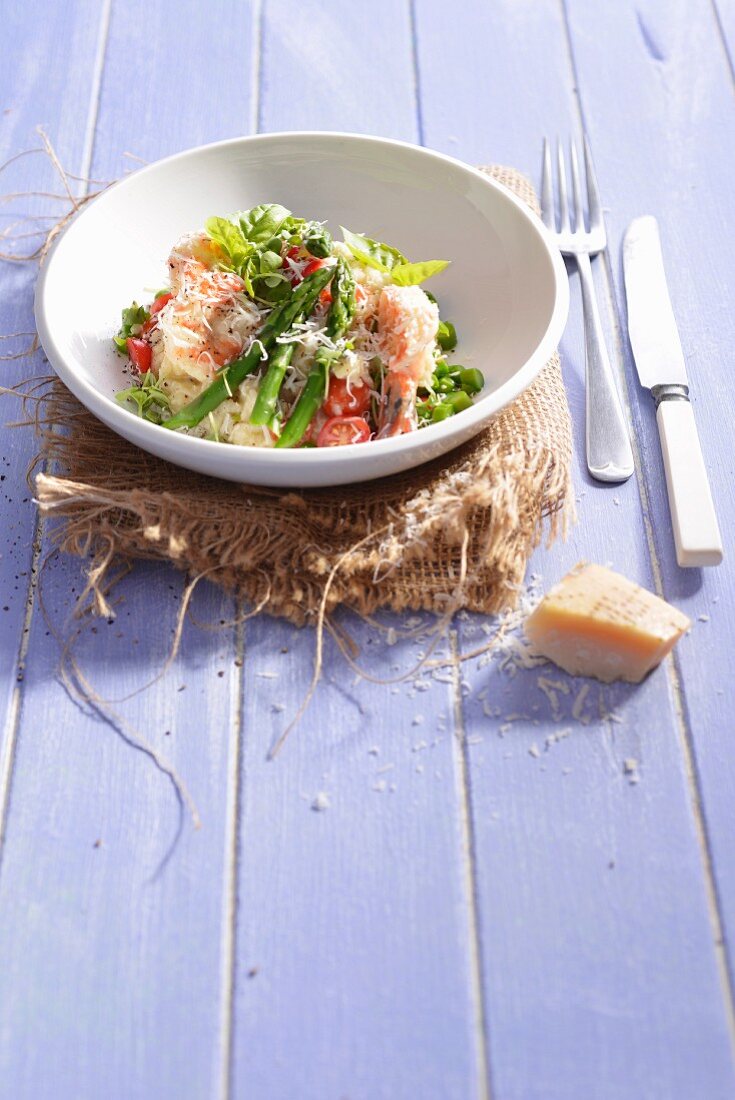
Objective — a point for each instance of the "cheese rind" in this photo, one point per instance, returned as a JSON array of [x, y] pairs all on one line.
[[595, 622]]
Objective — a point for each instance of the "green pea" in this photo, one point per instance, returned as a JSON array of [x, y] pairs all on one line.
[[441, 412], [471, 380], [459, 400]]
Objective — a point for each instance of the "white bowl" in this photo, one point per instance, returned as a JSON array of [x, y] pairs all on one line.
[[506, 289]]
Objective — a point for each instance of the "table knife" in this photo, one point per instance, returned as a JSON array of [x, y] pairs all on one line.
[[661, 369]]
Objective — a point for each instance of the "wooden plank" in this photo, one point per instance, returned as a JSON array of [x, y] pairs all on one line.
[[586, 953], [30, 95], [353, 931], [353, 924], [674, 61], [116, 965], [328, 68]]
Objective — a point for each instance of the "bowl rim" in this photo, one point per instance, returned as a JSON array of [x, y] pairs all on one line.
[[107, 409]]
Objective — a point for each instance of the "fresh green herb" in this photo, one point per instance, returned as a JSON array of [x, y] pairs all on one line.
[[413, 274], [372, 253], [147, 398], [233, 242], [389, 260], [133, 318], [251, 245], [263, 222]]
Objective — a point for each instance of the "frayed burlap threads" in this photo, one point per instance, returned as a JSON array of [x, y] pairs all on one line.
[[456, 532]]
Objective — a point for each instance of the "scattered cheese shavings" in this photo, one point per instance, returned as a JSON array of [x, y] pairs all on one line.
[[579, 704]]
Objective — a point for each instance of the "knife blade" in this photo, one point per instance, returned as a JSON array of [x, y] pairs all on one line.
[[659, 359]]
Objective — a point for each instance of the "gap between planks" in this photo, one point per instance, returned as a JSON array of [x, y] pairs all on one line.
[[413, 24], [12, 724], [723, 39], [256, 70], [233, 848], [678, 693], [464, 784]]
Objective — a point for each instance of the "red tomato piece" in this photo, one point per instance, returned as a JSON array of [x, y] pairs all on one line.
[[314, 265], [140, 354], [341, 430], [311, 267], [160, 302], [341, 401]]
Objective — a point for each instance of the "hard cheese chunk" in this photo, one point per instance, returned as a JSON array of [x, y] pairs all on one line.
[[597, 623]]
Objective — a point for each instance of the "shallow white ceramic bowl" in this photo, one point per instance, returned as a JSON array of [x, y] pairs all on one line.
[[506, 289]]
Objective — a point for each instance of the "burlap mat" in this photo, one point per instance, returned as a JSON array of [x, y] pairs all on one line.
[[456, 532]]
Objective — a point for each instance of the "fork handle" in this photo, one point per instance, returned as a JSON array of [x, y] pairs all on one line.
[[609, 454]]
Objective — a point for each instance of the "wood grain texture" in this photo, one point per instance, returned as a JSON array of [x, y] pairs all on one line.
[[582, 886]]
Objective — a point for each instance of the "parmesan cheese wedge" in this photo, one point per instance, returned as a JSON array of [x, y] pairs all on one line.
[[597, 623]]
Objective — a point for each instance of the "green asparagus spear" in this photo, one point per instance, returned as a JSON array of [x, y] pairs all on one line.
[[270, 384], [301, 301], [341, 312], [317, 240]]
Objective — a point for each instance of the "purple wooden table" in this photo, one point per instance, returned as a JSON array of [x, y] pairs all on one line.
[[485, 908]]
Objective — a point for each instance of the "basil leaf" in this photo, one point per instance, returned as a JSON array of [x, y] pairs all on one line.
[[413, 274], [132, 319], [231, 240], [263, 222], [383, 257]]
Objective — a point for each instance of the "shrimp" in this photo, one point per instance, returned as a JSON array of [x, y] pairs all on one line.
[[407, 326], [208, 320]]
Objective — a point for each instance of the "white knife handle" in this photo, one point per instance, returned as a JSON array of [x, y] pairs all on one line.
[[696, 531]]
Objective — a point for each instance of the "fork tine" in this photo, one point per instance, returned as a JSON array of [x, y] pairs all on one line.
[[563, 198], [547, 199], [593, 192], [576, 189]]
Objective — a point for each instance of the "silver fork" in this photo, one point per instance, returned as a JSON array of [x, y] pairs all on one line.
[[609, 454]]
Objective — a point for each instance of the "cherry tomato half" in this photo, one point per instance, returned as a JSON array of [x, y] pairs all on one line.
[[341, 430], [140, 354], [340, 401], [160, 302]]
